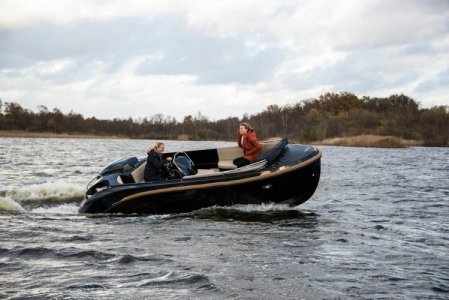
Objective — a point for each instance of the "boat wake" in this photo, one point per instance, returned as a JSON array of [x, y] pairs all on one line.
[[9, 205], [50, 197]]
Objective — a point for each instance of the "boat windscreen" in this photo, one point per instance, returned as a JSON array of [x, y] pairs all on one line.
[[185, 165]]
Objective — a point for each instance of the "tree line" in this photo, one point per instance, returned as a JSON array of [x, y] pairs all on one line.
[[328, 116]]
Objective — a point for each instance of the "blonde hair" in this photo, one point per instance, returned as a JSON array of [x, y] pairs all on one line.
[[157, 145]]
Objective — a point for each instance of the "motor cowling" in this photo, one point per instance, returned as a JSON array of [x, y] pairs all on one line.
[[119, 166]]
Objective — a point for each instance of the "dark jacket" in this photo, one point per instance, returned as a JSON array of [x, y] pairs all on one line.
[[251, 146], [155, 166]]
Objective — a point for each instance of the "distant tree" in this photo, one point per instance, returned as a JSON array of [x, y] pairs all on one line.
[[170, 126], [394, 103], [16, 116], [43, 118], [92, 125], [362, 121], [187, 125], [2, 118], [435, 126], [316, 127], [335, 103], [56, 121], [336, 126], [75, 122], [273, 121]]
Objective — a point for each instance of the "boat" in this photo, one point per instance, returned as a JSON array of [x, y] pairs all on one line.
[[284, 173]]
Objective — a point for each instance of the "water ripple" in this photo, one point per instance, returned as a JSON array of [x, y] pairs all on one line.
[[376, 228]]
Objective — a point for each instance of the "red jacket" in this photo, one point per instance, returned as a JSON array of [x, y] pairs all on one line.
[[251, 146]]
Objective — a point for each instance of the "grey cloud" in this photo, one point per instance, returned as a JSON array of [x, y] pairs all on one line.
[[222, 64], [435, 6], [49, 41], [113, 42], [10, 61], [394, 23], [343, 75], [359, 72], [245, 69], [441, 80], [210, 59]]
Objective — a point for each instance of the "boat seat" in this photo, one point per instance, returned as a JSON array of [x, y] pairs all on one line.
[[137, 174], [226, 156]]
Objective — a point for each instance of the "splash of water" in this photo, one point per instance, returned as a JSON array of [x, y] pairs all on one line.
[[260, 207], [69, 208], [9, 205], [42, 197]]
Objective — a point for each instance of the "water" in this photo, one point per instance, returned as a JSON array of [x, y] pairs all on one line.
[[376, 228]]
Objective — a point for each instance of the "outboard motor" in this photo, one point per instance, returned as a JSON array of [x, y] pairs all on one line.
[[121, 165]]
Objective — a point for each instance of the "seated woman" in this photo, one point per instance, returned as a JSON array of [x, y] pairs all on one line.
[[155, 170], [251, 147]]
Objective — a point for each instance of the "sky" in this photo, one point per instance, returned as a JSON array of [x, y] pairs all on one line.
[[120, 59]]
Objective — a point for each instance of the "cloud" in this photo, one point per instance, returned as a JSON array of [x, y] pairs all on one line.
[[138, 58], [439, 80], [26, 13]]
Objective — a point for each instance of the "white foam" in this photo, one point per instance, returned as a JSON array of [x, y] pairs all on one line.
[[260, 207], [53, 190], [59, 195], [7, 204], [65, 209]]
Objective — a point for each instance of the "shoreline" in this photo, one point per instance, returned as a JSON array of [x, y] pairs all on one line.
[[368, 141]]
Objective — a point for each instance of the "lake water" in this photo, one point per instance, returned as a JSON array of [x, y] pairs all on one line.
[[376, 228]]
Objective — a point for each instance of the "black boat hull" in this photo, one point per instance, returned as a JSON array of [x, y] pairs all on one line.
[[290, 184]]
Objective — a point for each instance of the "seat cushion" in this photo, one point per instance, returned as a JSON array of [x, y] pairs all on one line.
[[138, 174], [226, 155]]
